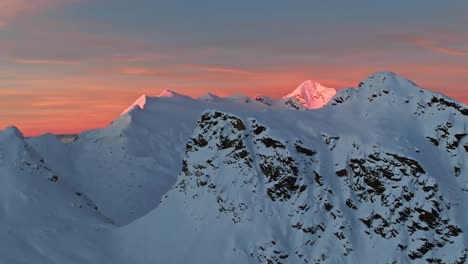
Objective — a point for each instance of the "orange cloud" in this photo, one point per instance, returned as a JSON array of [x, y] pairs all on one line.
[[46, 101], [37, 110]]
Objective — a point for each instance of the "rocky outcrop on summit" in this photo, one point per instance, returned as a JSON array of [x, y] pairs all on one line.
[[389, 88]]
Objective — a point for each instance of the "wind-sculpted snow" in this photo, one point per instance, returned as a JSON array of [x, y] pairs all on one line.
[[378, 175]]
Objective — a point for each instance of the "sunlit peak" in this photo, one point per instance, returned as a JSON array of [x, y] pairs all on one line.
[[312, 94]]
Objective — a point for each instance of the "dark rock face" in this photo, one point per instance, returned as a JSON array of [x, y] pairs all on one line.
[[392, 182], [293, 103], [263, 100], [442, 104]]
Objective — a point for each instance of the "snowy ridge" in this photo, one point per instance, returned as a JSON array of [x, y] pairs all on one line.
[[140, 102], [209, 97], [172, 94], [309, 95]]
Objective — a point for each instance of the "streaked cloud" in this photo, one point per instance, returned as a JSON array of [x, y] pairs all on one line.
[[218, 69], [45, 61], [430, 45], [187, 71], [138, 58]]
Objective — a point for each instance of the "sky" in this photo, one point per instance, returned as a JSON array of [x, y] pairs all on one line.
[[71, 65]]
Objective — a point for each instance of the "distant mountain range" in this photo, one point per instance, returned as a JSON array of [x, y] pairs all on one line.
[[373, 174]]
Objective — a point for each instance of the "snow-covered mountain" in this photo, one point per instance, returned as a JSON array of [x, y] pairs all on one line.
[[312, 94], [348, 183], [378, 175]]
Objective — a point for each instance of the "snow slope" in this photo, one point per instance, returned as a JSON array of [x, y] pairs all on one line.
[[43, 220]]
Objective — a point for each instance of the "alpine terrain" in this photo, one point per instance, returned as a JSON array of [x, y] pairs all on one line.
[[372, 174]]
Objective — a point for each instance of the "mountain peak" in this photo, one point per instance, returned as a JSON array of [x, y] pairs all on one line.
[[383, 74], [11, 131], [312, 94], [143, 99], [209, 97], [140, 102], [386, 79], [391, 90], [171, 94]]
